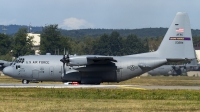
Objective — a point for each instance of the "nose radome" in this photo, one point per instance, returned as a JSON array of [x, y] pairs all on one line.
[[8, 71]]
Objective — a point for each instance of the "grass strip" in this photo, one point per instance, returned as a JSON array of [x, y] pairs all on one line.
[[97, 100], [100, 93]]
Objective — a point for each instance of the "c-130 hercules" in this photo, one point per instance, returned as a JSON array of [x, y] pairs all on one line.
[[177, 45]]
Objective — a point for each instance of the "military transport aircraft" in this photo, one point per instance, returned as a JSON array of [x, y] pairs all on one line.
[[175, 70], [177, 45]]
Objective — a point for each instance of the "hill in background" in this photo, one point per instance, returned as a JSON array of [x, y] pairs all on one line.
[[143, 32]]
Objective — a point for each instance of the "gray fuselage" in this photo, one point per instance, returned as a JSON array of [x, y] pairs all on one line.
[[49, 68]]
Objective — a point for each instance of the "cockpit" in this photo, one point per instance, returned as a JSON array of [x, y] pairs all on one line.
[[18, 60]]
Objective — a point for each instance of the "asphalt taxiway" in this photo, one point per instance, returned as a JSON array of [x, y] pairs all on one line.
[[138, 87]]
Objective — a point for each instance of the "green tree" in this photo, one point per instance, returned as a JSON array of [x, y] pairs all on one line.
[[154, 43], [88, 45], [52, 40], [110, 45], [130, 45], [196, 41], [145, 43], [64, 44], [22, 45], [5, 43], [115, 44], [134, 45], [103, 48]]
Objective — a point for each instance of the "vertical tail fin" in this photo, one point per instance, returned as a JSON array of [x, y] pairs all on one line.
[[177, 43]]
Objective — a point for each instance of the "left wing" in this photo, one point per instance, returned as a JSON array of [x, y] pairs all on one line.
[[88, 60], [4, 63], [96, 59]]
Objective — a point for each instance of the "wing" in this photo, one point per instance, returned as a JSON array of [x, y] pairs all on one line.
[[101, 59], [97, 63], [88, 60], [4, 63]]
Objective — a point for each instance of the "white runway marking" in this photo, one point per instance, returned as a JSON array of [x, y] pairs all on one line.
[[137, 87]]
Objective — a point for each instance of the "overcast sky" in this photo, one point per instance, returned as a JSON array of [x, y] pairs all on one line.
[[108, 14]]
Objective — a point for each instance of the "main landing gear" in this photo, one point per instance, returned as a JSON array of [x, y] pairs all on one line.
[[25, 81]]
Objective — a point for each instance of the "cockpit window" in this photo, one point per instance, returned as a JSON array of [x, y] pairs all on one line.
[[14, 62], [18, 60]]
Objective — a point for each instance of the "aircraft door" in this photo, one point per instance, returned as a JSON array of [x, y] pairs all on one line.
[[22, 72], [51, 70], [35, 74]]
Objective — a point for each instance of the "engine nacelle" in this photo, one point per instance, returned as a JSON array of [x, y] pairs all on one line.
[[79, 61], [72, 75]]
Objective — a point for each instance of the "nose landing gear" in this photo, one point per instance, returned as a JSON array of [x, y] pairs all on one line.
[[25, 81]]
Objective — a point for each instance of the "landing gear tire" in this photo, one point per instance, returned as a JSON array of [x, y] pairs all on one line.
[[25, 81]]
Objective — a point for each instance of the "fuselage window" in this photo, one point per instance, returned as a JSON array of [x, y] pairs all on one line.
[[17, 66]]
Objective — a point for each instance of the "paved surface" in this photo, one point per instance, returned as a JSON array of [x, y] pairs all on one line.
[[2, 85]]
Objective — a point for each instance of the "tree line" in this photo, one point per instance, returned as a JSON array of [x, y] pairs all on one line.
[[112, 44], [52, 40], [78, 33]]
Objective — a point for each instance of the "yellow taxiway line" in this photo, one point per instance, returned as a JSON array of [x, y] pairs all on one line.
[[131, 87]]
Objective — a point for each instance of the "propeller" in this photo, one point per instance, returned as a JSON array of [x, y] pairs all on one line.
[[65, 60], [185, 68], [176, 70], [173, 71], [176, 67], [180, 69]]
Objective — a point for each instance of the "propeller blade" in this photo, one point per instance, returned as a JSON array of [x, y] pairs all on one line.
[[64, 68]]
